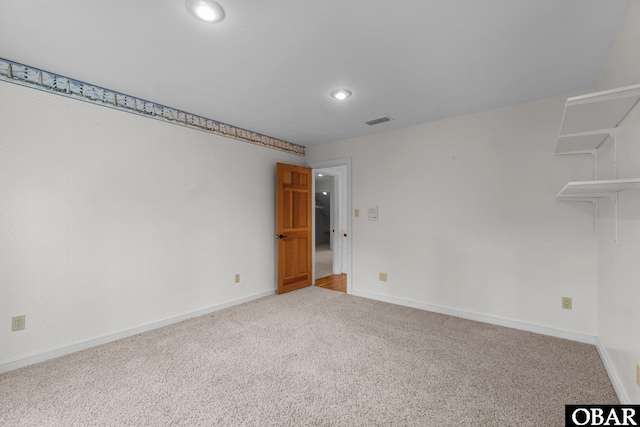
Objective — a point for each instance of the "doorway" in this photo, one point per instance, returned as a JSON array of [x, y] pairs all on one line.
[[325, 227], [332, 224]]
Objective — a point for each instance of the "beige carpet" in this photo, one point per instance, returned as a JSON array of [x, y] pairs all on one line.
[[312, 357]]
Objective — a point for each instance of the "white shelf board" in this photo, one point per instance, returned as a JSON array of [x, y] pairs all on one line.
[[591, 190], [589, 119], [582, 142]]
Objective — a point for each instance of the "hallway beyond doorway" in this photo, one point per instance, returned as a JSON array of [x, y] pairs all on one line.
[[335, 282], [323, 260], [324, 270]]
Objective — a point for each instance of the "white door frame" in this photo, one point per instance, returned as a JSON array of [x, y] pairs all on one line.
[[346, 228]]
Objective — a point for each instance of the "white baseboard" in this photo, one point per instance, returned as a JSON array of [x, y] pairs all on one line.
[[41, 357], [573, 336], [514, 324], [615, 381], [559, 333]]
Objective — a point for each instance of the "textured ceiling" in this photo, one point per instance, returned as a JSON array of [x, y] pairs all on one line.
[[270, 65]]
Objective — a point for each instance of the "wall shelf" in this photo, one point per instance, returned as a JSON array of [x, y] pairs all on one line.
[[589, 120], [589, 191]]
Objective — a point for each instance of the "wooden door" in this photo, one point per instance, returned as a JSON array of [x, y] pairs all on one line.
[[294, 226]]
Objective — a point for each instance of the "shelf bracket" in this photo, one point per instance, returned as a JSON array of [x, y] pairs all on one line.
[[615, 151], [614, 197], [615, 207]]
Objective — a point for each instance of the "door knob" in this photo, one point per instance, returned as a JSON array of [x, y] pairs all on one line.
[[281, 236]]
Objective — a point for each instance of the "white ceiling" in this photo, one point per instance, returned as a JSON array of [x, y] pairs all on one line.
[[270, 65]]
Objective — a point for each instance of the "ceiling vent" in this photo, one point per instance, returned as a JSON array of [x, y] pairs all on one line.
[[378, 121]]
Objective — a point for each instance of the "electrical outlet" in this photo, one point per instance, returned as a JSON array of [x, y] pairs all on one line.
[[567, 303], [638, 374], [17, 323], [237, 278], [383, 277]]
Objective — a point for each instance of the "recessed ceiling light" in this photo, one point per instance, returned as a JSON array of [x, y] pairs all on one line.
[[206, 10], [324, 193], [341, 94]]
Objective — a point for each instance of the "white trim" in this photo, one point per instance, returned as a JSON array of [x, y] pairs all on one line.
[[41, 357], [514, 324], [615, 381]]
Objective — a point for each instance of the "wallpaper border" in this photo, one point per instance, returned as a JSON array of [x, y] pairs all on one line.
[[35, 78]]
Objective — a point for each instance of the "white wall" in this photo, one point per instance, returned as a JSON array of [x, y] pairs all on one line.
[[468, 220], [618, 268], [109, 221]]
